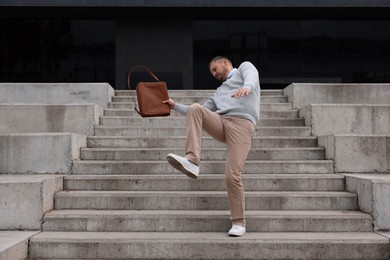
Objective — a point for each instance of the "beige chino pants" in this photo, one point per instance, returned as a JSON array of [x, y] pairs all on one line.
[[237, 133]]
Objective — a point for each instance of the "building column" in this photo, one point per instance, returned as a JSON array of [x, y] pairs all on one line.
[[164, 46]]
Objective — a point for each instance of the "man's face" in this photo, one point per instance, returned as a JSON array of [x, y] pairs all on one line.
[[219, 69]]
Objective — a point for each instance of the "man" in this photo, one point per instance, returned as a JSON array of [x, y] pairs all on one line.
[[230, 116]]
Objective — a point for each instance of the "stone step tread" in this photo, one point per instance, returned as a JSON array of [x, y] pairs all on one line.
[[207, 91], [204, 163], [205, 176], [263, 114], [183, 127], [203, 90], [208, 137], [277, 94], [208, 161], [290, 114], [204, 200], [178, 121], [153, 154], [202, 193], [209, 167], [209, 245], [265, 182], [281, 214], [201, 100], [205, 96], [182, 119], [197, 89], [161, 194], [104, 141], [262, 104], [212, 220], [263, 110], [204, 238], [113, 149], [168, 131], [205, 220]]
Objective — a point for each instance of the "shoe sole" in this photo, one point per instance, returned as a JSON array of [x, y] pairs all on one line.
[[178, 166], [236, 235]]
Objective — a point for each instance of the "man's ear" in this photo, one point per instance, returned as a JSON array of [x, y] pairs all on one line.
[[226, 63]]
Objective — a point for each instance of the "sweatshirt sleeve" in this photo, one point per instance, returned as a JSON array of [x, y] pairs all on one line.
[[249, 74], [210, 104], [182, 109]]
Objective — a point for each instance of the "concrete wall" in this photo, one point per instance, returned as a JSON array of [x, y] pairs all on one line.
[[352, 122], [41, 118], [163, 45], [374, 196], [57, 93], [325, 119], [40, 153], [303, 94], [357, 153], [25, 198]]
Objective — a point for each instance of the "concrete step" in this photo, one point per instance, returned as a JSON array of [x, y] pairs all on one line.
[[190, 245], [263, 106], [207, 182], [264, 113], [155, 154], [201, 92], [180, 121], [201, 99], [180, 131], [207, 142], [204, 200], [204, 221], [13, 243], [206, 167]]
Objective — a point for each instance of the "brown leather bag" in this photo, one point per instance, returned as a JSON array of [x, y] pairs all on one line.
[[150, 96]]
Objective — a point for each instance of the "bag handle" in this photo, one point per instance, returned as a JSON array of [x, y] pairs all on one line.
[[128, 83], [140, 66]]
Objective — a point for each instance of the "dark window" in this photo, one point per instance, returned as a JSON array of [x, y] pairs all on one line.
[[288, 51], [57, 51]]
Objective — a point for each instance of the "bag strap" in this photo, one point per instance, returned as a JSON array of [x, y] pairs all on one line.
[[128, 82], [140, 66]]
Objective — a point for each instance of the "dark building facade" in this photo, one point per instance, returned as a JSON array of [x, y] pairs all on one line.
[[100, 40]]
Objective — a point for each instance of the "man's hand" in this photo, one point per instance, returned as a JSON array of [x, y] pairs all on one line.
[[241, 92], [170, 102]]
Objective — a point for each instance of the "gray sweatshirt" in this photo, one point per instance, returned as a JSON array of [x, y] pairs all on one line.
[[224, 104]]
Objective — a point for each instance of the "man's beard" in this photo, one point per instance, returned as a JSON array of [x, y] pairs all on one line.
[[221, 77]]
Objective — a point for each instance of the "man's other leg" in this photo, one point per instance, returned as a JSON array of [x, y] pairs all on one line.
[[239, 133]]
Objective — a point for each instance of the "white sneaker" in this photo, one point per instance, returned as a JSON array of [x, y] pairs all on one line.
[[184, 165], [237, 230]]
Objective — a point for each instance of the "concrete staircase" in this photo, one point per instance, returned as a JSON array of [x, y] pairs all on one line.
[[124, 201]]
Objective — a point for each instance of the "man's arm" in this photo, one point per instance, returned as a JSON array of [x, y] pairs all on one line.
[[244, 91], [182, 109], [250, 75], [251, 78], [210, 104]]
